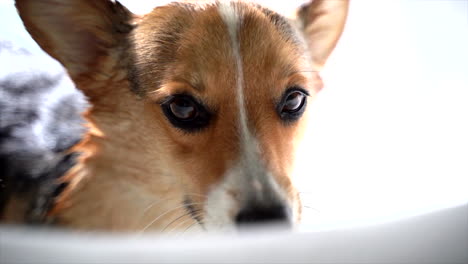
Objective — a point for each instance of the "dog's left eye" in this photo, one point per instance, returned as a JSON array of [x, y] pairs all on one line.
[[186, 113], [293, 104], [183, 109]]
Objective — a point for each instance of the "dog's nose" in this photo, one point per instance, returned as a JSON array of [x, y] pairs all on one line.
[[276, 214]]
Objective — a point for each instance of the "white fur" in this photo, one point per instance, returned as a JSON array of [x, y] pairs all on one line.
[[249, 177]]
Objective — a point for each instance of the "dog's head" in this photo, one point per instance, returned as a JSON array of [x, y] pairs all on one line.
[[196, 105]]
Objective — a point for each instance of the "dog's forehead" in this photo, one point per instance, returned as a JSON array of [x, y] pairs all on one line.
[[192, 42]]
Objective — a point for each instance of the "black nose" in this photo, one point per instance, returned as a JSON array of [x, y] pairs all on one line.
[[263, 214]]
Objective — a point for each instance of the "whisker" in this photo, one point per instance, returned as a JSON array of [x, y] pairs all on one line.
[[197, 194], [157, 202], [190, 226], [310, 207], [167, 199], [180, 217], [307, 71], [182, 223], [185, 221], [166, 212]]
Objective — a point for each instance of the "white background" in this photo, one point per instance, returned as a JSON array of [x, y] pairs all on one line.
[[389, 135]]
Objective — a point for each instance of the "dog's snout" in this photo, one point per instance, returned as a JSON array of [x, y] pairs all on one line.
[[276, 214]]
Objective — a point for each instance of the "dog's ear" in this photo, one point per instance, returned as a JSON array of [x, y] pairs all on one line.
[[322, 24], [84, 35]]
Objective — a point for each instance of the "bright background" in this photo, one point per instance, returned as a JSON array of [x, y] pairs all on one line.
[[389, 133]]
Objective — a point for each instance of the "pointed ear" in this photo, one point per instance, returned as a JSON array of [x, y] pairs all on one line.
[[322, 24], [84, 35]]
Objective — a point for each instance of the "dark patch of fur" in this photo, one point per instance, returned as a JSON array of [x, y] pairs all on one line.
[[192, 210], [31, 160], [282, 24]]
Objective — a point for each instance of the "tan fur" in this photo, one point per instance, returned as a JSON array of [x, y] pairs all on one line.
[[135, 165]]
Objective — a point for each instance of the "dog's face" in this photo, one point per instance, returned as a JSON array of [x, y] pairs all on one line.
[[196, 106]]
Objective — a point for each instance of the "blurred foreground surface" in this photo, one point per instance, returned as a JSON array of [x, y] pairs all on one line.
[[440, 237]]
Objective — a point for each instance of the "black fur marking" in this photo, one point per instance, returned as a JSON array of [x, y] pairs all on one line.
[[193, 211]]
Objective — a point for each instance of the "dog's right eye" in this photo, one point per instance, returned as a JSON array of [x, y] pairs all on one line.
[[186, 113]]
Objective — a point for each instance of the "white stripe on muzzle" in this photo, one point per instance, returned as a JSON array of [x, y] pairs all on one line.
[[249, 176]]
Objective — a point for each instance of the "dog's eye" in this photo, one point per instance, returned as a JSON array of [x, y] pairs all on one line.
[[183, 109], [293, 104], [184, 112]]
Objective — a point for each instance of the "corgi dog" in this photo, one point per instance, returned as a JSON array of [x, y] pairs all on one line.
[[196, 109]]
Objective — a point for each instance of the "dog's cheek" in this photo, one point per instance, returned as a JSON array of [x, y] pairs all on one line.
[[280, 144]]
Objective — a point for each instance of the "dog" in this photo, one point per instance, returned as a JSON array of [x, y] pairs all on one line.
[[196, 109]]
